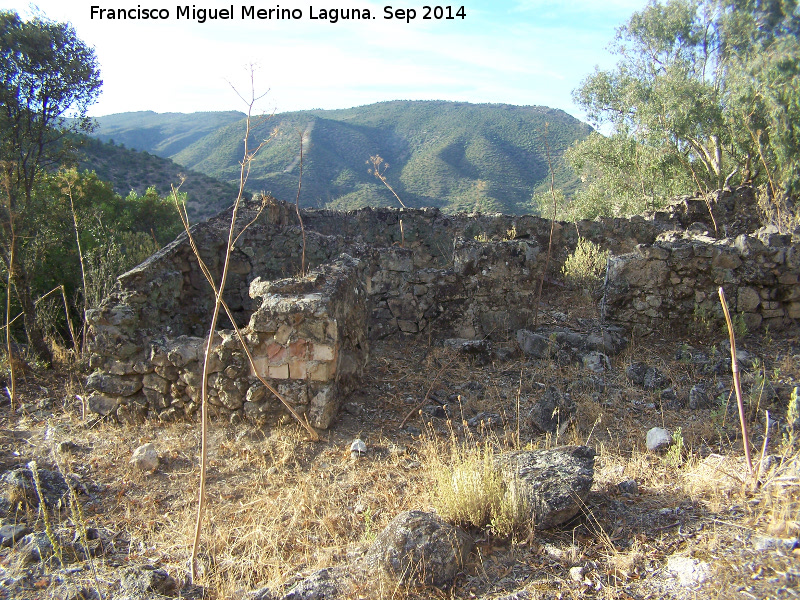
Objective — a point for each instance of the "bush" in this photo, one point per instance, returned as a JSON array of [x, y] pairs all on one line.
[[470, 490], [585, 268]]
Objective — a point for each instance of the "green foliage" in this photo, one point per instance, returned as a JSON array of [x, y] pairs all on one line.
[[739, 325], [116, 233], [456, 156], [674, 455], [705, 92], [162, 134], [585, 268], [703, 318], [542, 204], [129, 170], [49, 79], [622, 177]]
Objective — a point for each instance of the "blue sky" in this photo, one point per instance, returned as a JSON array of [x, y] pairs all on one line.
[[510, 51]]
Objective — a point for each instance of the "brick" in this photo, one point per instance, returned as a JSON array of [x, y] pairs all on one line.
[[262, 366], [298, 349], [319, 371], [279, 372], [297, 369], [276, 354], [322, 352]]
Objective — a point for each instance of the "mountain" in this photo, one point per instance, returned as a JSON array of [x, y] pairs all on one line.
[[128, 169], [453, 155], [164, 134]]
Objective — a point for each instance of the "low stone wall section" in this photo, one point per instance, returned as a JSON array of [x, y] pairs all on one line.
[[674, 282], [307, 338]]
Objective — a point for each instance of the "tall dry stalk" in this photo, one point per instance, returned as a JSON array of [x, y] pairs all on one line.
[[12, 372], [378, 169], [83, 268], [60, 288], [736, 381], [552, 229], [12, 392], [297, 208], [244, 172], [245, 166]]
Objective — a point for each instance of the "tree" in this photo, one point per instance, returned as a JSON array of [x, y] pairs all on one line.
[[704, 90], [49, 79], [91, 236], [767, 85]]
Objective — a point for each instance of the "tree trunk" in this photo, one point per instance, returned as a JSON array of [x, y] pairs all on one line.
[[33, 332]]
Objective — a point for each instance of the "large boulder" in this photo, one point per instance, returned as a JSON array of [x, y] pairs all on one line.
[[554, 484], [18, 486]]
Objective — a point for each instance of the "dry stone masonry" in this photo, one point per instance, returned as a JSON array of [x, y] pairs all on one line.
[[447, 276]]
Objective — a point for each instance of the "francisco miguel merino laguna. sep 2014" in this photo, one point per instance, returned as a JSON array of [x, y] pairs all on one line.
[[201, 15], [332, 15]]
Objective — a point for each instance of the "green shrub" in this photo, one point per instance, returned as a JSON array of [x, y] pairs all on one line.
[[585, 268], [674, 456]]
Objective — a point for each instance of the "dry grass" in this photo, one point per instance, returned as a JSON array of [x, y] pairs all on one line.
[[469, 489], [280, 507]]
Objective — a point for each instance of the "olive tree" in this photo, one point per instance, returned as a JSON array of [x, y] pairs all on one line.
[[705, 93], [49, 79]]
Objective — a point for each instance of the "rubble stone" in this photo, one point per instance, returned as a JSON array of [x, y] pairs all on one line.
[[420, 548], [553, 483]]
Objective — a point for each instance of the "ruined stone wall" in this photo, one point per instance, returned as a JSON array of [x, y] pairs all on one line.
[[674, 282], [466, 276], [431, 234], [490, 288], [306, 337], [170, 292]]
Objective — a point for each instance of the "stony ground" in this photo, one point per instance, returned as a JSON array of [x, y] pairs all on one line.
[[687, 523]]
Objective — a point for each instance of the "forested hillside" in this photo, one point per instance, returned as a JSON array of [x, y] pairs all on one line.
[[456, 156], [163, 134], [127, 169]]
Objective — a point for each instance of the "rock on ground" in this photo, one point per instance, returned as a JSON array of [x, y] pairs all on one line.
[[554, 483], [688, 571], [146, 580], [551, 411], [18, 486], [145, 458], [11, 534], [658, 439], [535, 345], [419, 547], [320, 585]]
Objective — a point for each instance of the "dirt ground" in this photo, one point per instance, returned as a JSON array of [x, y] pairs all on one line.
[[690, 523]]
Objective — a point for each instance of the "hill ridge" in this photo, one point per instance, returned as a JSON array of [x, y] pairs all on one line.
[[452, 155]]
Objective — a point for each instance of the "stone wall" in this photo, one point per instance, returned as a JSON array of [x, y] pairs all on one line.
[[466, 276], [674, 282], [307, 337]]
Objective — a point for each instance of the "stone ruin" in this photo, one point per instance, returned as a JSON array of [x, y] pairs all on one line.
[[445, 276]]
